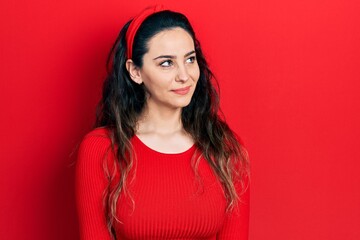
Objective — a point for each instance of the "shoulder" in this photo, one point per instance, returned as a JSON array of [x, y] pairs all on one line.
[[96, 142], [101, 135]]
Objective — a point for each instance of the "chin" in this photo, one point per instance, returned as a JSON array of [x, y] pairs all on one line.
[[181, 103]]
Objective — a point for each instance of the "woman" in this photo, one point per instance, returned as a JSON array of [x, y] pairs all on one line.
[[161, 163]]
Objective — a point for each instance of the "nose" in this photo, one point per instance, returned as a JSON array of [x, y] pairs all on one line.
[[182, 74]]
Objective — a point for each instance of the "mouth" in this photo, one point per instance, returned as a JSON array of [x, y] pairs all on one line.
[[181, 91]]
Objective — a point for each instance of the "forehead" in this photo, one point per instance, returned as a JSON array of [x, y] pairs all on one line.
[[172, 41]]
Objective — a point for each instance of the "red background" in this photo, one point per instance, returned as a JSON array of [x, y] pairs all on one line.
[[289, 76]]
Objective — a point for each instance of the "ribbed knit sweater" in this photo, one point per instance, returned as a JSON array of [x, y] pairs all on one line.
[[170, 203]]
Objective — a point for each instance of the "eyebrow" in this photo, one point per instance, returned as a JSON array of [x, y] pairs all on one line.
[[172, 56]]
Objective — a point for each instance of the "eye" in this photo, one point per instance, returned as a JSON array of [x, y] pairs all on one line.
[[166, 63], [191, 59]]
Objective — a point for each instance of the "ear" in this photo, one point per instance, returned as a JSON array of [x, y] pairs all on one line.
[[134, 71]]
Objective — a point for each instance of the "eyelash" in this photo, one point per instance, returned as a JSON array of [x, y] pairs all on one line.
[[193, 58]]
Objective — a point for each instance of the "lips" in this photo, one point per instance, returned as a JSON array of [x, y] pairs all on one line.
[[181, 91]]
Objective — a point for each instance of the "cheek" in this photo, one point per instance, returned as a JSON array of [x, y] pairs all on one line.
[[158, 84], [195, 73]]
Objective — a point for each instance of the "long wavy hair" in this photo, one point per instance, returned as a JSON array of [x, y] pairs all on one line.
[[123, 101]]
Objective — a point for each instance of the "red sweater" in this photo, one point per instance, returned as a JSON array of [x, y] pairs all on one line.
[[169, 202]]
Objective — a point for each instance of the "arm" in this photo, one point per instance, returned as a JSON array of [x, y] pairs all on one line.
[[236, 224], [90, 183]]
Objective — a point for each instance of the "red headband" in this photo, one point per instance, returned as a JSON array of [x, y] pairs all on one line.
[[135, 24]]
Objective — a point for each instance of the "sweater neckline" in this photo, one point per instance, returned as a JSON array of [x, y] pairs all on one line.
[[136, 138]]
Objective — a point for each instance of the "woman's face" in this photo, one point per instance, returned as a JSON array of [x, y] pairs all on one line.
[[170, 70]]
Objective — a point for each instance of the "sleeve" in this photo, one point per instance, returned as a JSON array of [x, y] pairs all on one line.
[[90, 183], [236, 223]]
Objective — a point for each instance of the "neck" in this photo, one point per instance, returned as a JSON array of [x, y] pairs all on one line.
[[160, 120]]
